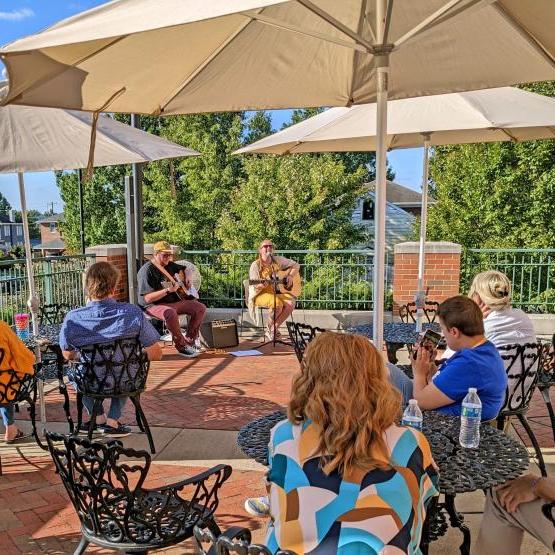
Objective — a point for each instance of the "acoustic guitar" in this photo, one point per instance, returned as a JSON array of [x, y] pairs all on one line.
[[280, 282]]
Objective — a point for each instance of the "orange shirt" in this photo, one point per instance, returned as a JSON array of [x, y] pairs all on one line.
[[16, 355]]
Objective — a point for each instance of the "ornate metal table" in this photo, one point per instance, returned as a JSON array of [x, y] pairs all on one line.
[[498, 459], [47, 339], [396, 335]]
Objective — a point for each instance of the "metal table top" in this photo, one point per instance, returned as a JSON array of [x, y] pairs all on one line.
[[497, 459], [396, 332]]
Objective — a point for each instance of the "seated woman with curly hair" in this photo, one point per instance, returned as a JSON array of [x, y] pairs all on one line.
[[343, 477]]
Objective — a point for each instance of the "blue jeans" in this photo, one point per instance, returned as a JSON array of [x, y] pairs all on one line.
[[7, 412], [401, 381], [116, 406]]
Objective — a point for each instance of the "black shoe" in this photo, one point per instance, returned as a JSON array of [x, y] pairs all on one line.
[[120, 431], [84, 428], [188, 352]]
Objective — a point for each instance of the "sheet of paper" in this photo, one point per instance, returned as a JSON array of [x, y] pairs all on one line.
[[249, 353]]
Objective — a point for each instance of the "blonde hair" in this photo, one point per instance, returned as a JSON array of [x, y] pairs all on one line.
[[493, 287], [101, 280], [343, 387]]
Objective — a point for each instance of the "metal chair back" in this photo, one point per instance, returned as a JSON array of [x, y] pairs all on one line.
[[301, 335], [53, 313], [407, 312], [116, 368], [521, 365], [105, 483]]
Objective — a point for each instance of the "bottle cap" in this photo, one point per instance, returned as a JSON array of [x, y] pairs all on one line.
[[413, 402], [472, 390]]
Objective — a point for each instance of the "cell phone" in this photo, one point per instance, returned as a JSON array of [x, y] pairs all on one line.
[[429, 340]]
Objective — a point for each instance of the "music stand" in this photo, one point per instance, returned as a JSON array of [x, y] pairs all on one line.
[[274, 341]]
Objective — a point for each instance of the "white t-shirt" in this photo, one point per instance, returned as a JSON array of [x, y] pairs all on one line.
[[505, 327]]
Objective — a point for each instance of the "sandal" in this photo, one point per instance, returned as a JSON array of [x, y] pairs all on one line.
[[18, 436]]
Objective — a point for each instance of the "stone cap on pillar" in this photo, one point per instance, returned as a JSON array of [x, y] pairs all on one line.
[[115, 249], [413, 247]]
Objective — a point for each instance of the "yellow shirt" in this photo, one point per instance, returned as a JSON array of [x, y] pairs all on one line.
[[16, 355]]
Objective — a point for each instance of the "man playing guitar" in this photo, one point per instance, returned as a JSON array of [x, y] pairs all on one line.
[[164, 293], [261, 293]]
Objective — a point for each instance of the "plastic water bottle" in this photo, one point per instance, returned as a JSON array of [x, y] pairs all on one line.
[[413, 415], [471, 416]]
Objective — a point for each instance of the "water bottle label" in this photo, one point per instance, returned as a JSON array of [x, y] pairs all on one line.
[[471, 412], [412, 422]]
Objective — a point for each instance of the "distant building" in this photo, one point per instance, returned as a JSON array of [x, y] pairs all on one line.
[[51, 241], [11, 233], [402, 205]]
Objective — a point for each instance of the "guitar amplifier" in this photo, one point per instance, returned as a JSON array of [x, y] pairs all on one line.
[[219, 334]]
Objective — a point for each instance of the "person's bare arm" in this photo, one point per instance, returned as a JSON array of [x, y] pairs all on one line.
[[423, 389], [154, 352], [157, 295]]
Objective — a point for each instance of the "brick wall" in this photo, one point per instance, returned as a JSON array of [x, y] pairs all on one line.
[[46, 235], [116, 255], [442, 267]]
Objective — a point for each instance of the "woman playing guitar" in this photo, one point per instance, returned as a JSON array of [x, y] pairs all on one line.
[[265, 272]]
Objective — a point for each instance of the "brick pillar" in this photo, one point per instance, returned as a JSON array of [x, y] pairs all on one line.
[[442, 268], [116, 255]]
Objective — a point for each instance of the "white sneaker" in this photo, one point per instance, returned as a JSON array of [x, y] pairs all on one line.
[[258, 506]]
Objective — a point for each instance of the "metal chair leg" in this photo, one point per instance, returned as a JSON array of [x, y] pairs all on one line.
[[541, 463], [81, 547], [547, 401], [143, 423], [92, 419]]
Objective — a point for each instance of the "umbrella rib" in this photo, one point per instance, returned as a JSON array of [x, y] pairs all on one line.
[[506, 132], [271, 21], [440, 15], [337, 24], [525, 34], [200, 68]]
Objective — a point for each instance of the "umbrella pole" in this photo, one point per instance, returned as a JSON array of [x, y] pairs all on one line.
[[33, 301], [81, 211], [382, 69], [138, 201], [420, 296]]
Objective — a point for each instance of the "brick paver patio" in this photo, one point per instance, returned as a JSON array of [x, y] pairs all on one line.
[[213, 392]]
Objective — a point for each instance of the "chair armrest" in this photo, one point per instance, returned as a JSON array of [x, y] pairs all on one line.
[[197, 478], [204, 535]]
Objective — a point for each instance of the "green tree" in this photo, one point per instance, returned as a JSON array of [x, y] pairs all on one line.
[[5, 206], [495, 194], [301, 202], [258, 126], [32, 217], [104, 207], [185, 198]]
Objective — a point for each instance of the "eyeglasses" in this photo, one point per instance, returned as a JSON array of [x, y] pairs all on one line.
[[267, 247], [165, 254]]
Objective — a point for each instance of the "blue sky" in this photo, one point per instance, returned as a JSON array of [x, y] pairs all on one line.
[[24, 17]]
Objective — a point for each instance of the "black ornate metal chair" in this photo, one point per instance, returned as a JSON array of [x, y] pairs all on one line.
[[407, 312], [301, 335], [233, 540], [546, 378], [548, 510], [17, 388], [105, 483], [521, 364], [114, 369], [53, 313]]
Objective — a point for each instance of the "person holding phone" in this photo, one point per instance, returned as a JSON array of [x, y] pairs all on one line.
[[476, 363]]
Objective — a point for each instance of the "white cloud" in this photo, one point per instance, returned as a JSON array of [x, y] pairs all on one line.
[[17, 15]]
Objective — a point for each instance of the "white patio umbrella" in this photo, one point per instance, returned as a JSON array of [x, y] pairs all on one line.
[[185, 56], [500, 114], [42, 139]]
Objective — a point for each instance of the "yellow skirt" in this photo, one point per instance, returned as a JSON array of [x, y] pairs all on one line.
[[266, 300]]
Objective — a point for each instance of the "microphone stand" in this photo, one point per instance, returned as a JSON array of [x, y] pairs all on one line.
[[274, 341]]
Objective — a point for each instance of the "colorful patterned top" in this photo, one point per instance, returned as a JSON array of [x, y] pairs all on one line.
[[380, 511]]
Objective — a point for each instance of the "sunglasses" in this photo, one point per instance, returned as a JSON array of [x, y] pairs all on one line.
[[267, 247]]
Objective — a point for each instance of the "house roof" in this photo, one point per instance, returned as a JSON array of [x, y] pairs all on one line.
[[55, 244], [399, 194], [52, 218]]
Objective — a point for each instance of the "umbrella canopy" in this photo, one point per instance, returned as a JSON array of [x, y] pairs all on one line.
[[185, 56], [43, 139], [500, 114]]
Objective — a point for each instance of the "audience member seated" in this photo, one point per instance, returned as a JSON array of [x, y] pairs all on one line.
[[515, 508], [19, 358], [476, 363], [503, 324], [158, 287], [341, 473], [102, 320]]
